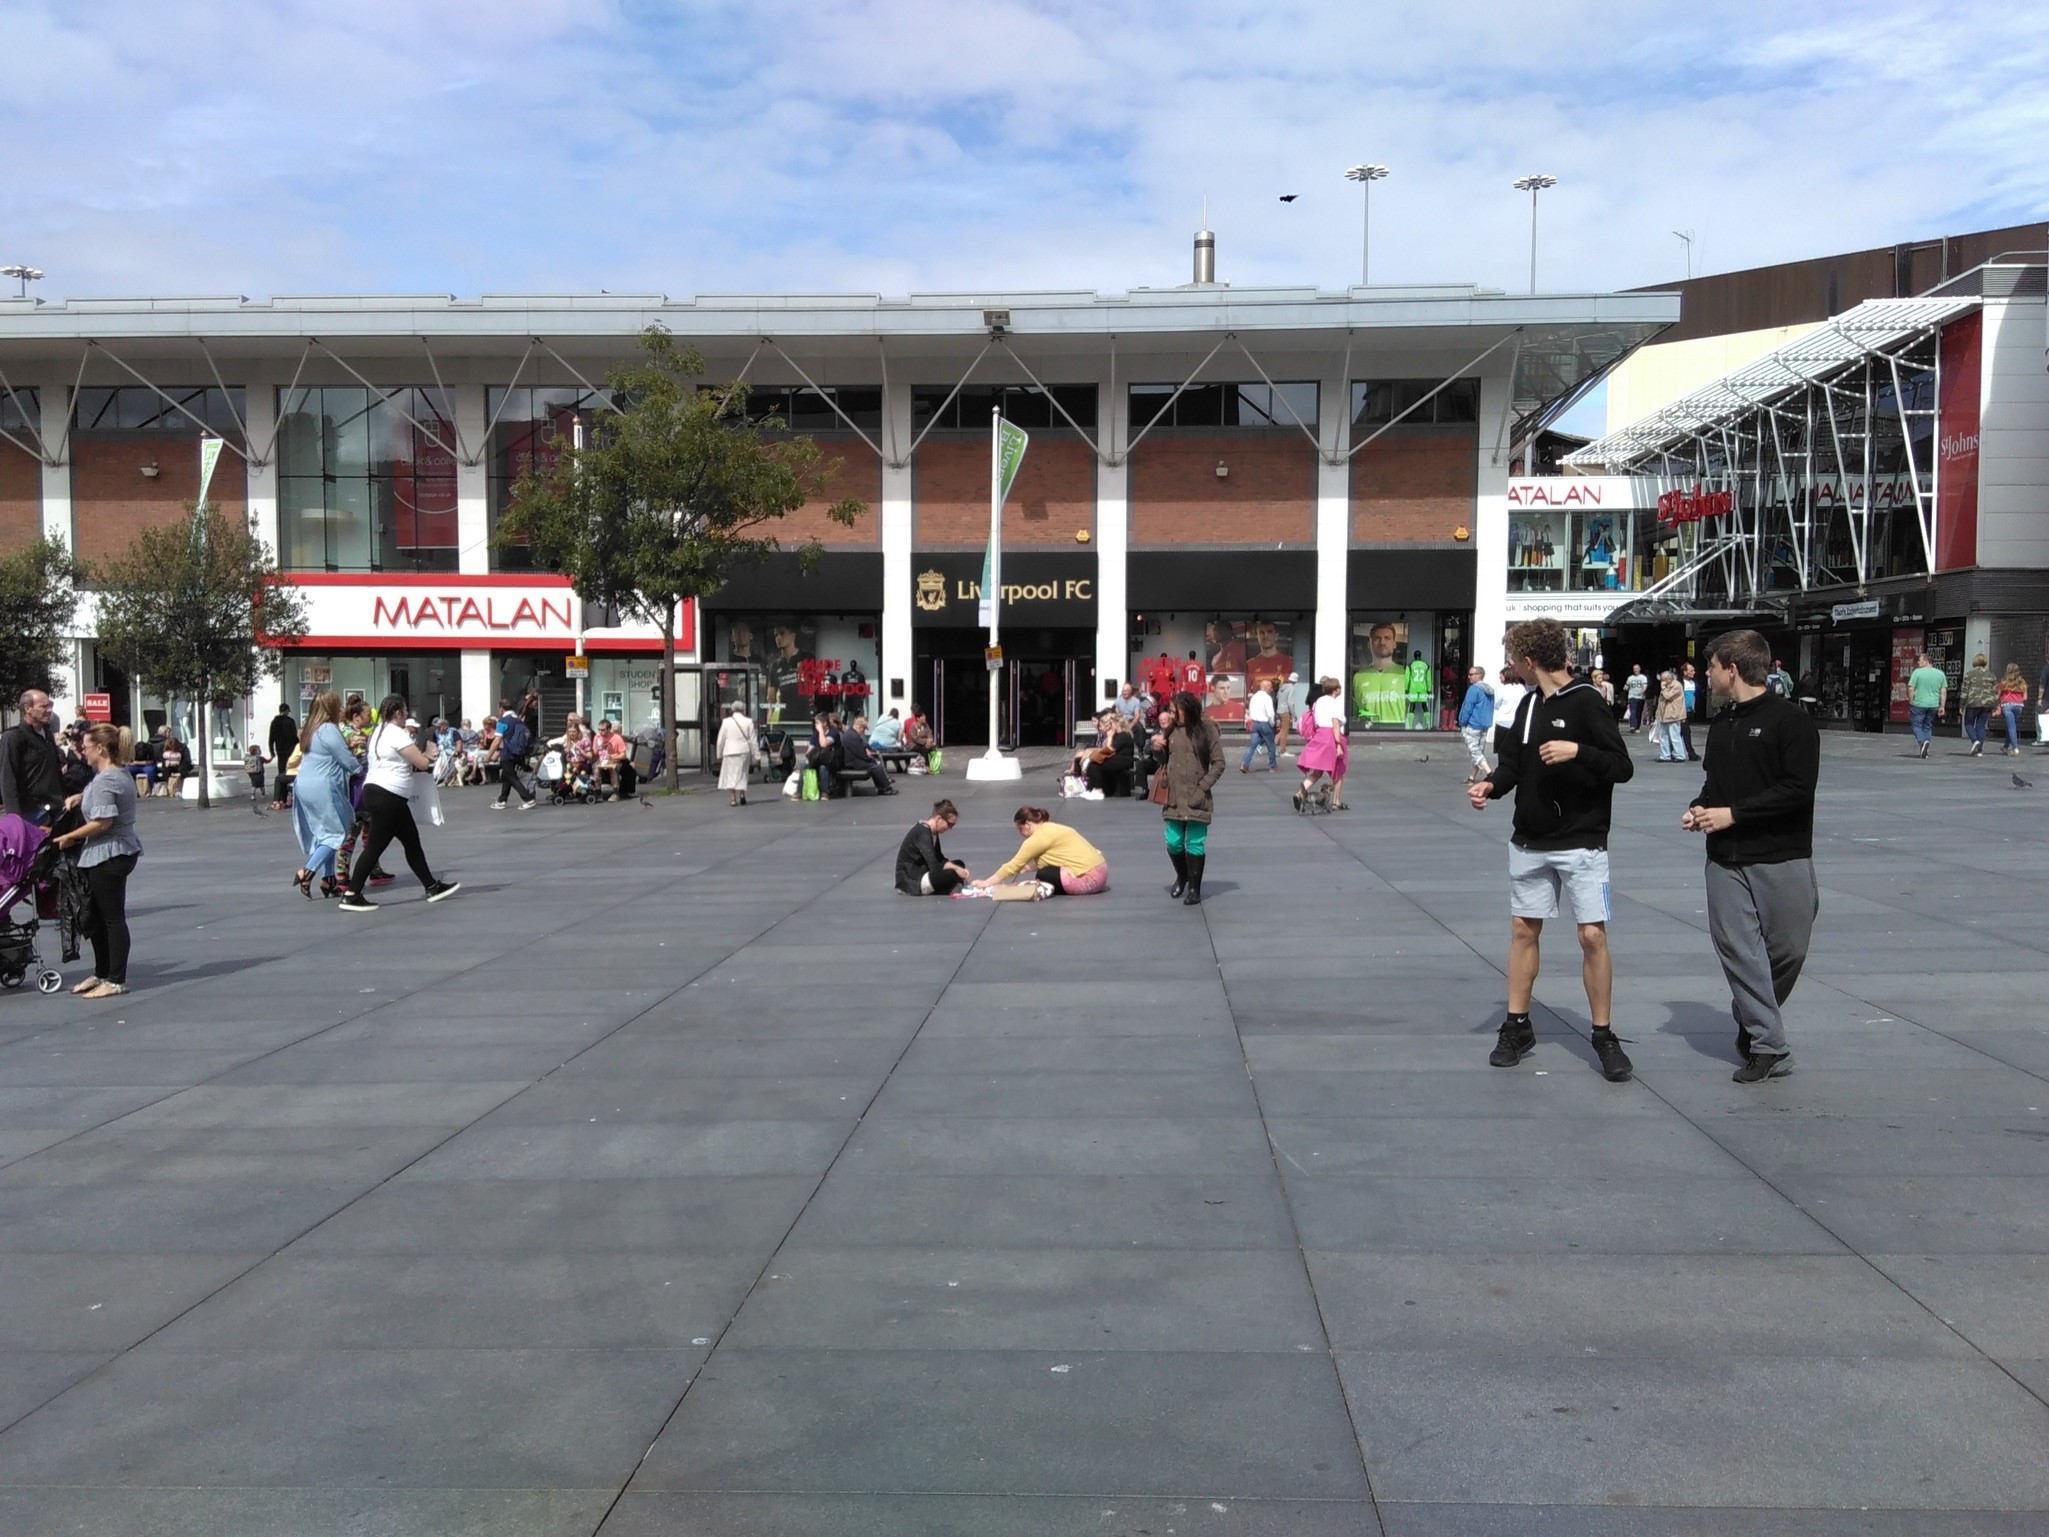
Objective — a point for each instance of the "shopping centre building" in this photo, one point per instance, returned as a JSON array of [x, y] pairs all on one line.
[[1850, 454], [1273, 480]]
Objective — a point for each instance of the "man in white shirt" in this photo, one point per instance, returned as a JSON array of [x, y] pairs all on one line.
[[1259, 724]]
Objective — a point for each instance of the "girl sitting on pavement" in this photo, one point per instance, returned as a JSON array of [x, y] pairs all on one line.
[[1054, 861]]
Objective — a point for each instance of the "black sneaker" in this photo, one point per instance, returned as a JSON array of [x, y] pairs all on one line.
[[379, 878], [443, 889], [1512, 1044], [1761, 1067], [351, 903], [1615, 1063]]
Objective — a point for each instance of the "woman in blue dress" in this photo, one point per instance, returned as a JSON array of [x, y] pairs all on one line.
[[321, 809]]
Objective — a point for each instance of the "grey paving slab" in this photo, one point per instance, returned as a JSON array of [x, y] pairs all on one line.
[[992, 1145], [31, 1378], [1223, 1091], [612, 1150], [981, 1421], [1951, 1214], [1664, 1432], [1999, 1302], [1480, 1146], [1403, 1519], [128, 1154], [166, 1512], [170, 1218], [928, 1515], [104, 1302], [481, 1419]]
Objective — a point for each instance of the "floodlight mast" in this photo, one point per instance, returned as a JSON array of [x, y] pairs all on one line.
[[1366, 176], [1533, 184], [26, 275]]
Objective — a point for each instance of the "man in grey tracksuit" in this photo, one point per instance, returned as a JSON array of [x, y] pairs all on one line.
[[1757, 808]]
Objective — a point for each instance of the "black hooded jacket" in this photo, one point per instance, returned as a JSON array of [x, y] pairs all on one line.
[[1562, 805]]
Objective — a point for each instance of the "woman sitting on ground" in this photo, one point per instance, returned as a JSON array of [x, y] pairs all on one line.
[[1054, 861]]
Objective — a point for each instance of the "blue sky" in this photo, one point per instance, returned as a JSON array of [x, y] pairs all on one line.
[[280, 146]]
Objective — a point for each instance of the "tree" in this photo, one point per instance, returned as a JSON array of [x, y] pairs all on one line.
[[668, 496], [38, 599], [195, 610]]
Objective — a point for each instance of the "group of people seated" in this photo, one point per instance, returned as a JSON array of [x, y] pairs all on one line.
[[600, 756], [1109, 765], [844, 757], [1053, 860]]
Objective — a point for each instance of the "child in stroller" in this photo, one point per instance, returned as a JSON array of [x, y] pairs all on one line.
[[567, 777], [26, 858]]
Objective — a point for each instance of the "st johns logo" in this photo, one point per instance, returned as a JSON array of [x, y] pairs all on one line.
[[931, 591]]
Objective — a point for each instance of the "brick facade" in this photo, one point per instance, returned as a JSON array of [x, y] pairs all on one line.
[[21, 498], [1268, 499], [856, 471], [1415, 487], [1053, 498], [112, 500]]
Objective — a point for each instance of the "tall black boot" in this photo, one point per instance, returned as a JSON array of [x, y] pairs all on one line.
[[1194, 897], [1180, 872]]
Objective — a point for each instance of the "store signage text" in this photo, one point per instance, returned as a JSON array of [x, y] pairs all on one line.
[[932, 595], [1865, 609], [1676, 507], [455, 611], [1611, 493]]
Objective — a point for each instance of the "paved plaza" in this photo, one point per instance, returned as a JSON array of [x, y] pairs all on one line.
[[677, 1177]]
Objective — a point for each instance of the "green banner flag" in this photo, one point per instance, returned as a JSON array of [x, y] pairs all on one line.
[[209, 456], [1011, 443]]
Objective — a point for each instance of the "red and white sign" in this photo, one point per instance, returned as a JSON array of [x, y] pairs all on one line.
[[1676, 507], [445, 613], [1605, 493], [98, 707], [1957, 427]]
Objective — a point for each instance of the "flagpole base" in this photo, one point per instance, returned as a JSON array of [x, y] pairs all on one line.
[[992, 765]]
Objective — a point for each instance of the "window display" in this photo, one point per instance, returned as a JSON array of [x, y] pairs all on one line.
[[1219, 658], [810, 663], [1406, 669]]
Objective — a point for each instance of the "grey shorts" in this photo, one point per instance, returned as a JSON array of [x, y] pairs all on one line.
[[1537, 876]]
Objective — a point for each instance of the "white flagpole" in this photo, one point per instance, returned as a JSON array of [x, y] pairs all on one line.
[[992, 764]]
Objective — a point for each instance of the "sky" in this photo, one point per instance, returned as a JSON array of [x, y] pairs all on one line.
[[265, 147]]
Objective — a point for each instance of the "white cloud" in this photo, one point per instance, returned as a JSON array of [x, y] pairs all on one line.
[[258, 146]]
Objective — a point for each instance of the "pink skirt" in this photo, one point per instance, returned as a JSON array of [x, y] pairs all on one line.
[[1084, 885]]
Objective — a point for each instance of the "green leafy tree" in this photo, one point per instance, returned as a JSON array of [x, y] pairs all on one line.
[[668, 496], [195, 611], [38, 597]]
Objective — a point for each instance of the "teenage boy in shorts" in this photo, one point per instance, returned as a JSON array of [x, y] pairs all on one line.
[[1561, 758]]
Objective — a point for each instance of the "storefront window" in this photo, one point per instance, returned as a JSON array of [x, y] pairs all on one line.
[[1218, 657], [366, 484], [1406, 669], [809, 663], [1025, 405], [1553, 550], [133, 408], [1210, 406], [1379, 402], [431, 683], [532, 427]]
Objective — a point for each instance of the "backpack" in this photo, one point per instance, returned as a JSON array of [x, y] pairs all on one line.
[[513, 739]]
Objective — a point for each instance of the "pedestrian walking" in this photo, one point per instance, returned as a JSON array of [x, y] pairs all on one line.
[[1193, 762], [1689, 679], [2013, 698], [284, 737], [1670, 711], [1476, 721], [1978, 692], [31, 767], [1289, 703], [1927, 693], [1565, 757], [323, 813], [1634, 688], [356, 727], [393, 761], [1778, 680], [515, 742], [108, 849], [2042, 709], [253, 761], [1323, 742], [1260, 715], [736, 753], [1756, 806]]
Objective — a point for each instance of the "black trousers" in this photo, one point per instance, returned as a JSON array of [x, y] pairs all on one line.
[[109, 931], [391, 820], [512, 776]]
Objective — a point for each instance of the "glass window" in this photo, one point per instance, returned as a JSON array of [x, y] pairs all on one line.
[[134, 408], [365, 483], [532, 426], [1276, 407], [1025, 404], [1377, 402], [800, 408], [19, 413]]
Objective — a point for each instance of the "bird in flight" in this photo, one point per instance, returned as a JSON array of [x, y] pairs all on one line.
[[1289, 197]]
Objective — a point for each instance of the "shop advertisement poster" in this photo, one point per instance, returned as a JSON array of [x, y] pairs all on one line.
[[1906, 648]]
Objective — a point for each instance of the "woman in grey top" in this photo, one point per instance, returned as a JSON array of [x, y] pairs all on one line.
[[107, 860]]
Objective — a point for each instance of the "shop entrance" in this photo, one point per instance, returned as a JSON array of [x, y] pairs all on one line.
[[1047, 683]]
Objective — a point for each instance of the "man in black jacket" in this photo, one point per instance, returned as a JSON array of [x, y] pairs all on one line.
[[1757, 808], [31, 768], [922, 868], [284, 741], [1561, 760]]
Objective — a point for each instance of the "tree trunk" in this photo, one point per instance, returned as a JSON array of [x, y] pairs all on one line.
[[203, 754], [670, 735]]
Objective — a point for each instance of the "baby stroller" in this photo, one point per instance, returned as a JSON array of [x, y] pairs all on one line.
[[26, 857], [566, 782]]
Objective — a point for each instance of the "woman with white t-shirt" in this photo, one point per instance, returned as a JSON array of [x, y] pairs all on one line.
[[388, 804]]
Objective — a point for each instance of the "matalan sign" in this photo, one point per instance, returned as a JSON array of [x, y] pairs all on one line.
[[459, 611]]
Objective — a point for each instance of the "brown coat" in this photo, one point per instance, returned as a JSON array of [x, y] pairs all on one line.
[[1188, 783], [1671, 702]]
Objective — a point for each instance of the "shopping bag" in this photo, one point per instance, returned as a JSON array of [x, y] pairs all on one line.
[[427, 799], [811, 784], [933, 758], [794, 785]]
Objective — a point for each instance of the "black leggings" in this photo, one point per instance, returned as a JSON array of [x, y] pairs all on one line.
[[109, 931], [391, 817]]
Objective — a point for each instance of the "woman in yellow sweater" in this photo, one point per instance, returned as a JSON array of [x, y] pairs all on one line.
[[1060, 860]]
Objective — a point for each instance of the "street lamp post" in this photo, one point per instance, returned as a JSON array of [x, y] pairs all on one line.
[[26, 275], [1533, 185], [1366, 176]]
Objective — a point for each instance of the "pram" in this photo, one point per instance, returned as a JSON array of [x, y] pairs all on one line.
[[26, 857], [566, 782]]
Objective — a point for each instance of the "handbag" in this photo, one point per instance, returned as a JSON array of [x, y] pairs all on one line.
[[810, 784], [1157, 793]]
